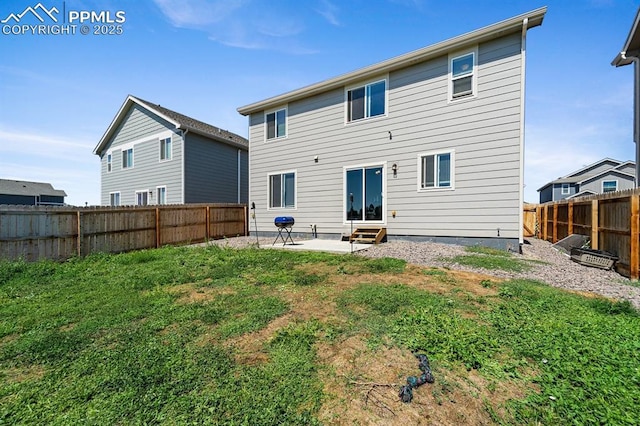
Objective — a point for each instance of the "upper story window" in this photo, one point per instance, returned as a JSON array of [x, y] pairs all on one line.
[[109, 162], [609, 186], [276, 123], [165, 149], [565, 189], [436, 170], [462, 76], [366, 101], [127, 158]]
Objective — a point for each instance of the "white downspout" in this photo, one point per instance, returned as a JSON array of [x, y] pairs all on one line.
[[523, 48], [184, 152]]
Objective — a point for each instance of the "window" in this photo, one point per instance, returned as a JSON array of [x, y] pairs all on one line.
[[109, 163], [127, 158], [565, 189], [282, 190], [165, 149], [161, 194], [609, 186], [366, 101], [277, 124], [462, 71], [436, 170], [142, 198], [363, 193], [114, 199]]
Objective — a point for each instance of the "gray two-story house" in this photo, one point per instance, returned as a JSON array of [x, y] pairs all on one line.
[[606, 175], [427, 145], [153, 155]]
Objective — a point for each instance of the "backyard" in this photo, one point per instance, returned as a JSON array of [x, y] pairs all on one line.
[[213, 335]]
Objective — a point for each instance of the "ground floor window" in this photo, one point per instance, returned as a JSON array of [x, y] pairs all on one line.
[[114, 199], [142, 198], [436, 170], [282, 190], [161, 194], [363, 193]]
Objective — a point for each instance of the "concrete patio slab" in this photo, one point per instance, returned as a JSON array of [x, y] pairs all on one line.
[[332, 246]]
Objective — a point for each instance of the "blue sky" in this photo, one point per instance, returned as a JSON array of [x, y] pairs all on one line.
[[205, 58]]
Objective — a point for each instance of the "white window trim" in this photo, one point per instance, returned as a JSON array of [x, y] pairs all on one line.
[[109, 163], [474, 79], [160, 142], [609, 180], [286, 123], [295, 191], [140, 191], [384, 78], [165, 195], [562, 189], [382, 164], [452, 171], [119, 198]]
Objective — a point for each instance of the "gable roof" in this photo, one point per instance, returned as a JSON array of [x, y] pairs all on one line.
[[181, 121], [631, 47], [581, 172], [32, 189], [526, 20], [580, 177]]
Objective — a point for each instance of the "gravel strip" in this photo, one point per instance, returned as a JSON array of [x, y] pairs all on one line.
[[558, 270]]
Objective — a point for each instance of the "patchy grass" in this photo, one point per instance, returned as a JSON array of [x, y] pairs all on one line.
[[221, 336], [491, 259]]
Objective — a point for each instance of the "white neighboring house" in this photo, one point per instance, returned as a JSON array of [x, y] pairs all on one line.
[[428, 145]]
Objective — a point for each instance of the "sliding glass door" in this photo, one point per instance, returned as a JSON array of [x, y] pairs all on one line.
[[364, 193]]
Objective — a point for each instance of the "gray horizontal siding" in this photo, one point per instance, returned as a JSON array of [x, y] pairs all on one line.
[[141, 128], [211, 174], [484, 132]]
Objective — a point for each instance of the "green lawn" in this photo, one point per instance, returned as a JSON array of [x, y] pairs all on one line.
[[221, 336]]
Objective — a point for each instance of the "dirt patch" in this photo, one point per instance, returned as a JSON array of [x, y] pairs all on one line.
[[23, 374], [193, 293]]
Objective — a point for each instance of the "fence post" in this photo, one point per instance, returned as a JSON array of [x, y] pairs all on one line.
[[158, 233], [554, 237], [634, 253], [79, 245], [207, 215], [570, 218], [545, 230], [595, 224]]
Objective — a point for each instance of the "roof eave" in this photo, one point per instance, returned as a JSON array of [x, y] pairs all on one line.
[[243, 145], [532, 19], [630, 50]]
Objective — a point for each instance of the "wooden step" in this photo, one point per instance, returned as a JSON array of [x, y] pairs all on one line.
[[368, 235]]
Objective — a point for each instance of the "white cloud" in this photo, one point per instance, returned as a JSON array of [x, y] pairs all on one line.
[[240, 23], [329, 12]]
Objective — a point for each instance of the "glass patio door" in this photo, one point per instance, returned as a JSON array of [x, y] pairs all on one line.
[[364, 197]]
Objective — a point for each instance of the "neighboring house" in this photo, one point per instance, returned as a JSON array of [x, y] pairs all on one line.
[[153, 155], [630, 54], [428, 145], [606, 175], [21, 192]]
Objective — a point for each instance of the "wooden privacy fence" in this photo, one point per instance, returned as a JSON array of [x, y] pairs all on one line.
[[33, 233], [612, 222]]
